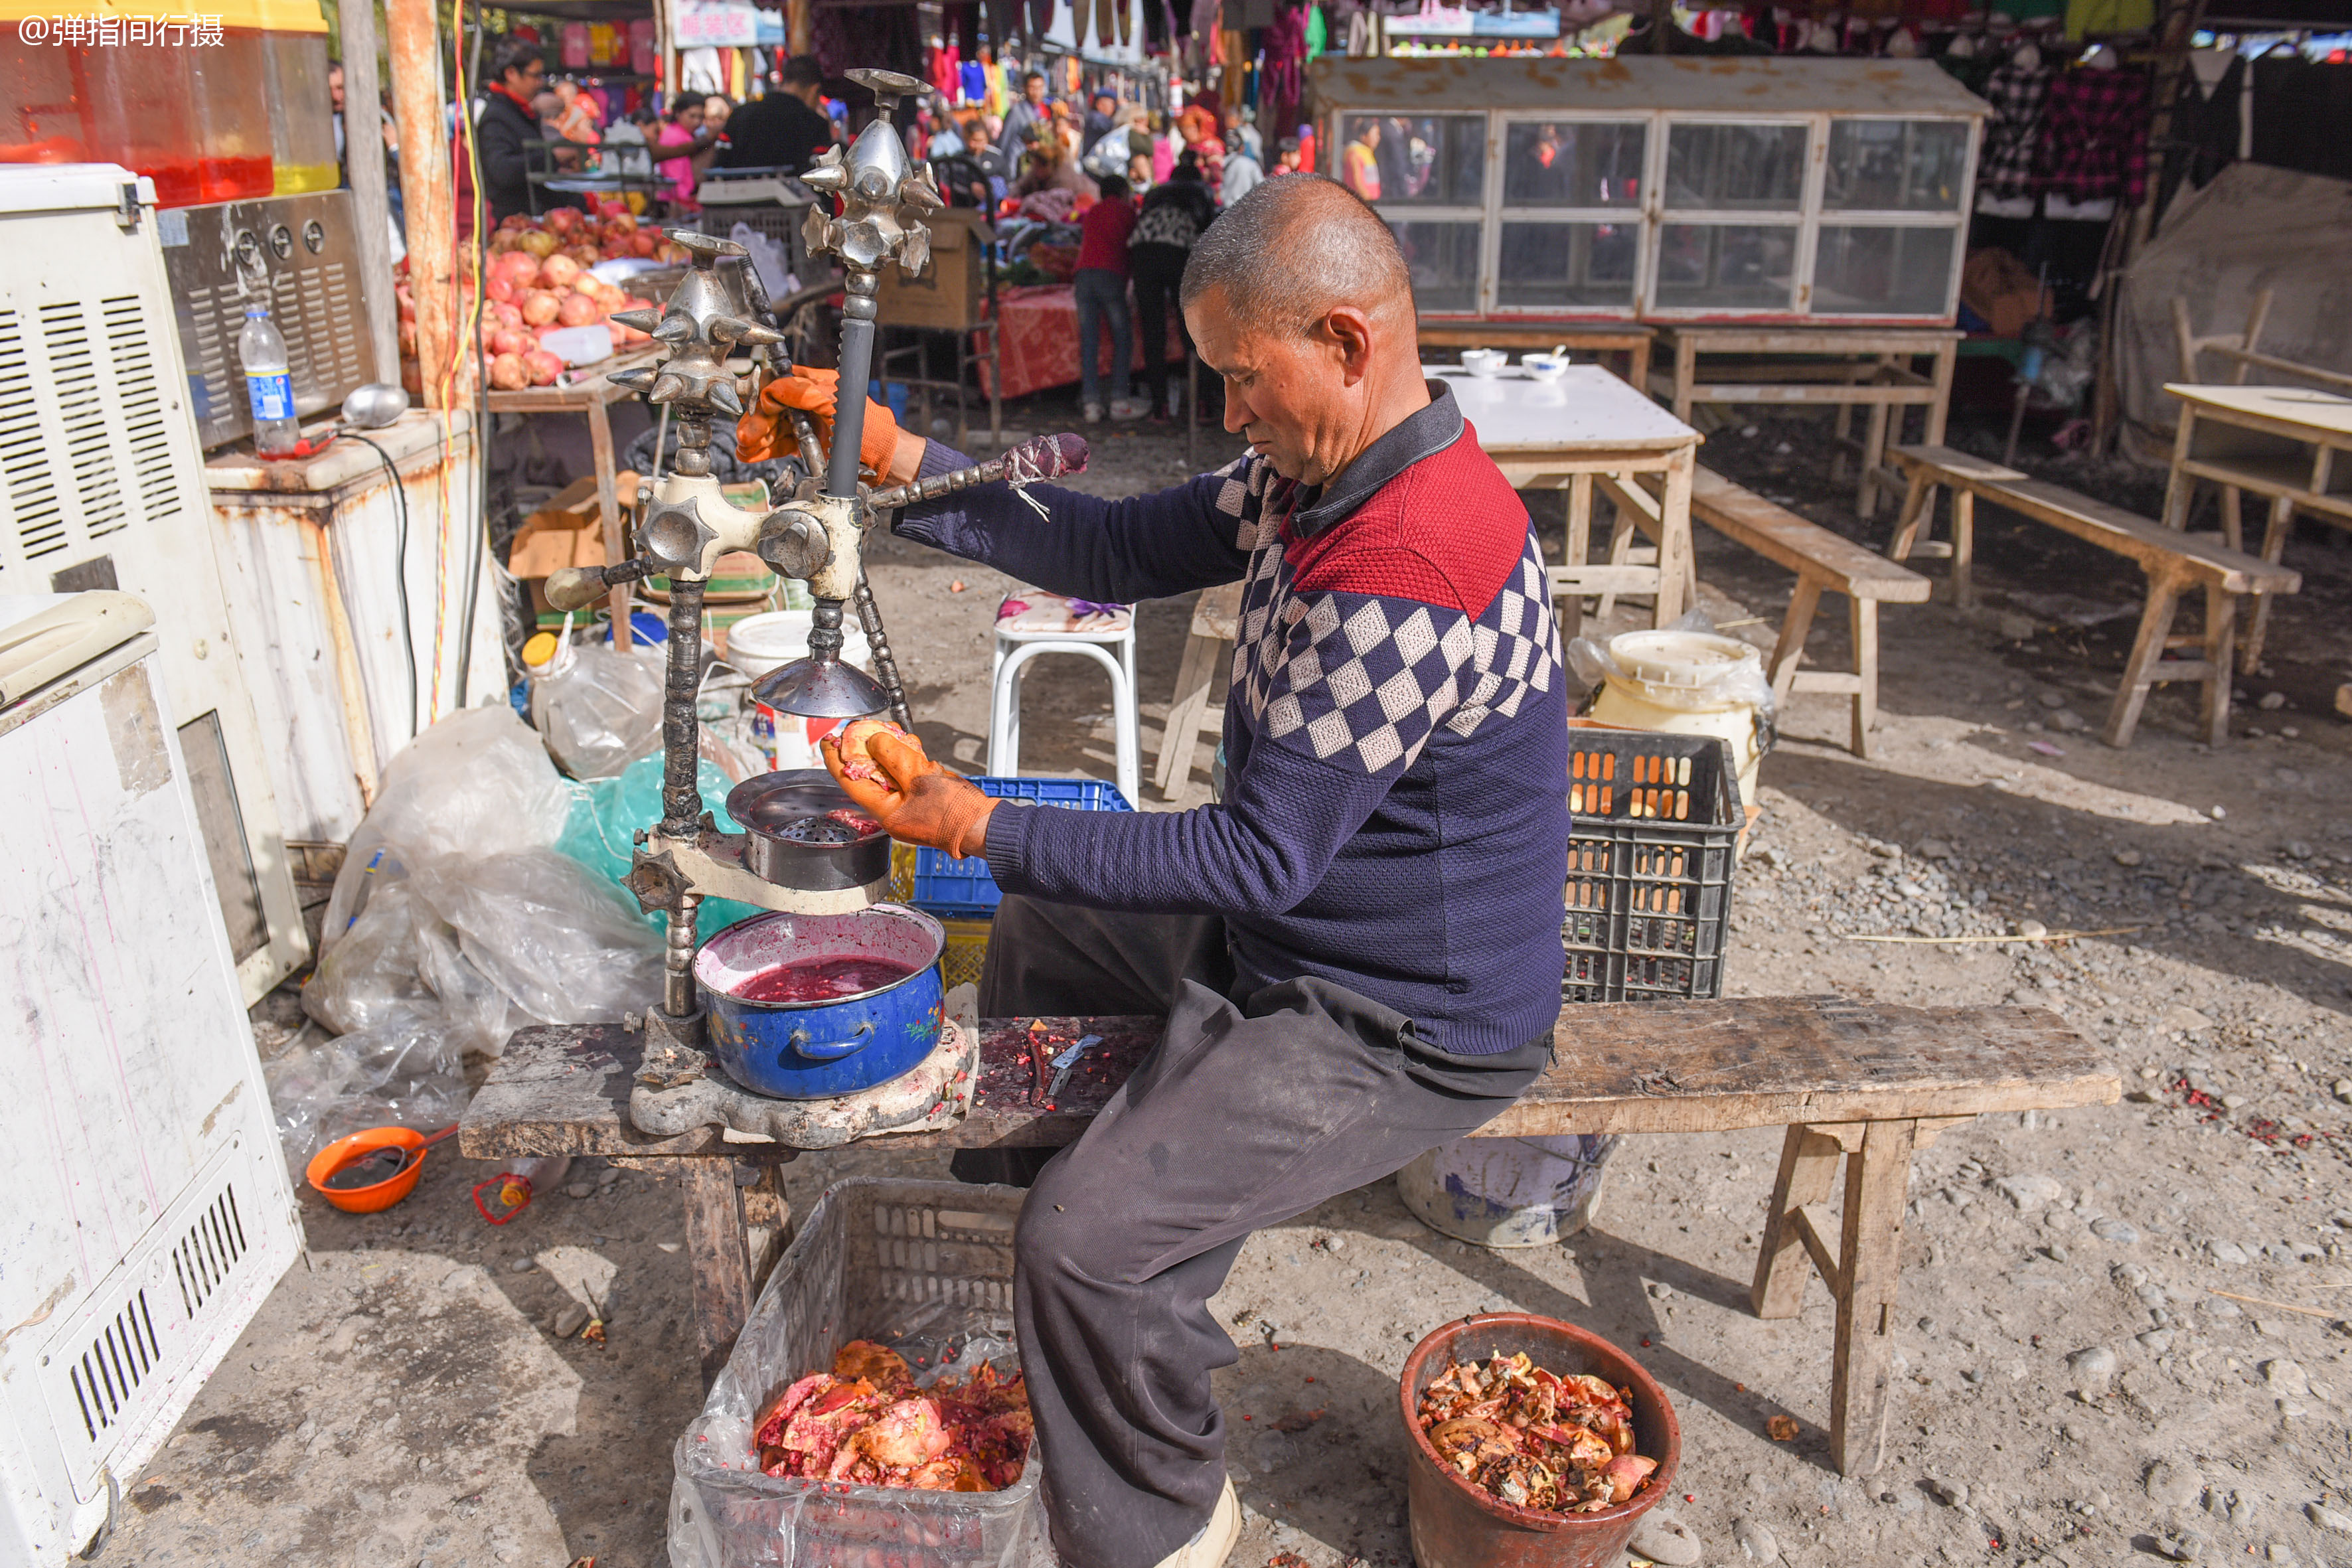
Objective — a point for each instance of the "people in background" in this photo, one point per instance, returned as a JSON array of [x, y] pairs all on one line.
[[1171, 218], [786, 130], [1243, 173], [1050, 167], [506, 121], [1288, 158], [680, 139], [1138, 172], [979, 154], [1101, 290], [581, 118], [717, 109], [1102, 113], [1360, 168], [549, 106], [1026, 111]]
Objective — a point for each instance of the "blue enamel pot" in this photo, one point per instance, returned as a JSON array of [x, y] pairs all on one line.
[[818, 1050]]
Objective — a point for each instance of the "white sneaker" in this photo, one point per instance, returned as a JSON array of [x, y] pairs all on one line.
[[1215, 1542], [1129, 408], [1094, 413]]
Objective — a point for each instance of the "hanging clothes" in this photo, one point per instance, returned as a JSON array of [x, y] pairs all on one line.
[[2093, 140], [2207, 122], [1318, 32], [2018, 96], [972, 82], [1282, 83], [1041, 18], [2291, 97], [2106, 17]]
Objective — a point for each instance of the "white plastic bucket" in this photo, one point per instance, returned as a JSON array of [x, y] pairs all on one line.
[[758, 645], [1508, 1191], [1675, 682]]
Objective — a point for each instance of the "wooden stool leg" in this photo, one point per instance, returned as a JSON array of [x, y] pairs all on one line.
[[1173, 766], [2274, 538], [1873, 452], [1918, 511], [1623, 534], [1808, 1169], [1964, 548], [2148, 648], [2220, 624], [1863, 617], [2233, 517], [1789, 651], [1870, 1258], [714, 1246]]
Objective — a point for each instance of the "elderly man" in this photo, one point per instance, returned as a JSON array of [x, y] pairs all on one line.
[[1358, 952]]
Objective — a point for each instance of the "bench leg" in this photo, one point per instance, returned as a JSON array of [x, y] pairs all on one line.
[[1869, 1258], [1918, 512], [1622, 535], [2148, 651], [1863, 617], [2220, 626], [715, 1248], [1173, 768], [2233, 521], [1964, 548], [1789, 651], [2274, 538], [1807, 1171], [1873, 452]]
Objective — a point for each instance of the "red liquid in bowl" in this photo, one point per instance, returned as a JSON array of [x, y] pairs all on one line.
[[822, 979]]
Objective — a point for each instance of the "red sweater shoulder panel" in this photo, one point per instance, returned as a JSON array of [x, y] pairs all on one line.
[[1448, 531]]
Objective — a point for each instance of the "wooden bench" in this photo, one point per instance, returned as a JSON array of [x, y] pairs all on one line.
[[1869, 1082], [1825, 563], [2174, 564], [1198, 705]]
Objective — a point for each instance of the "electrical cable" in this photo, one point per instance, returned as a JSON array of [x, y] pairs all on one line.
[[400, 567]]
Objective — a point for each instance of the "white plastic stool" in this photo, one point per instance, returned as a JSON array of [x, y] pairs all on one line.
[[1014, 649]]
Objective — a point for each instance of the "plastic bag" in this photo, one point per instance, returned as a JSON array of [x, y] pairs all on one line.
[[600, 708], [833, 1285], [371, 974], [550, 937], [606, 814], [403, 1071], [476, 782]]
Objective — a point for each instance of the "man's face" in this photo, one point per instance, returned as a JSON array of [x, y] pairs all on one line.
[[715, 111], [975, 136], [335, 86], [1288, 397], [525, 80], [1034, 89]]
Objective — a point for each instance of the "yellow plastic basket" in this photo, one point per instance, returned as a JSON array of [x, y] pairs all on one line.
[[967, 952]]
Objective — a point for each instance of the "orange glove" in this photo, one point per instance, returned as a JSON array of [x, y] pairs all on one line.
[[766, 431], [916, 800]]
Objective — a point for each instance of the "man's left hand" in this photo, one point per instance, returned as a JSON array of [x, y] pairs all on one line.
[[916, 800]]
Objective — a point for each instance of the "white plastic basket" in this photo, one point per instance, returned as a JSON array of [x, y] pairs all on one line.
[[915, 1265]]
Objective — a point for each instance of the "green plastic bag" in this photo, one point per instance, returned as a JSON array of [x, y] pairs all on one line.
[[606, 814]]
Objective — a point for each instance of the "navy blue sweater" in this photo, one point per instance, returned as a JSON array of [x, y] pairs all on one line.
[[1396, 731]]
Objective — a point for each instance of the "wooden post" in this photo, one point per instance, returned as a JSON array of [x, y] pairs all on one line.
[[427, 199], [800, 26], [364, 156], [722, 1266], [1870, 1256]]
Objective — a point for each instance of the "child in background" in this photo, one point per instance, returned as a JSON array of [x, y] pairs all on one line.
[[1101, 290]]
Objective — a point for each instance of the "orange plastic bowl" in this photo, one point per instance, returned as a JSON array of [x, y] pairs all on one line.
[[384, 1193]]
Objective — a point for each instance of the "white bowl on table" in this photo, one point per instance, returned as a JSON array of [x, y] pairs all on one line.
[[1484, 363], [1544, 367]]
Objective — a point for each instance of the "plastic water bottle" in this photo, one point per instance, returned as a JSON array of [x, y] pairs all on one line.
[[269, 383]]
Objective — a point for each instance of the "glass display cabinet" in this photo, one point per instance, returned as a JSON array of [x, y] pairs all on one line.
[[1668, 189]]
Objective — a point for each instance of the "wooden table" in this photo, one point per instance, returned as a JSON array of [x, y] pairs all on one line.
[[592, 395], [1584, 429], [1871, 1083], [1628, 337], [1839, 366], [2277, 441]]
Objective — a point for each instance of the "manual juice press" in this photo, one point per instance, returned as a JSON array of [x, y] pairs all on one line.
[[822, 1020]]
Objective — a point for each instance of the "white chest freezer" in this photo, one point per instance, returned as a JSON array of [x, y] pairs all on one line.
[[148, 1212]]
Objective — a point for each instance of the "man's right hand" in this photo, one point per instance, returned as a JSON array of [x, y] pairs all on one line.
[[916, 800]]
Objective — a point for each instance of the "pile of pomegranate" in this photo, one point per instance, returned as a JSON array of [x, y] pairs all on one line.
[[535, 279]]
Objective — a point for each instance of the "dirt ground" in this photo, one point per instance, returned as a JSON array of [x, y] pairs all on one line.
[[403, 1400]]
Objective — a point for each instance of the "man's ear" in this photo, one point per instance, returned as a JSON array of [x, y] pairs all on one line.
[[1349, 332]]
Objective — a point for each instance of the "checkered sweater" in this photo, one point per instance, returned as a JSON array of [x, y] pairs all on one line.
[[1395, 731]]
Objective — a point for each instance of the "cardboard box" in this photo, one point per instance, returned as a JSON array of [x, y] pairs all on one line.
[[569, 530], [950, 291]]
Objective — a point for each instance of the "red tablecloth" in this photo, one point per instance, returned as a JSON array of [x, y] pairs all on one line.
[[1040, 330]]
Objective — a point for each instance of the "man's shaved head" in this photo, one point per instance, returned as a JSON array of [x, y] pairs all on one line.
[[1293, 249]]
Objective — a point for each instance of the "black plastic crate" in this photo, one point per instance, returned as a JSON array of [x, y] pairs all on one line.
[[1650, 864]]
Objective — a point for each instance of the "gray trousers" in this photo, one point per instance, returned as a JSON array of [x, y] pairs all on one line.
[[1252, 1110]]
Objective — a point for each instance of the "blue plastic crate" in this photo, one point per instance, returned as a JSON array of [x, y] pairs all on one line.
[[963, 890]]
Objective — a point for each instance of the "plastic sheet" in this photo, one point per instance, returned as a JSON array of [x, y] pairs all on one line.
[[606, 814], [599, 707], [942, 1273], [453, 923]]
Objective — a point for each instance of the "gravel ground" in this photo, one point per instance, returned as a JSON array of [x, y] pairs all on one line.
[[2073, 1387]]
